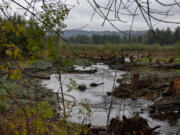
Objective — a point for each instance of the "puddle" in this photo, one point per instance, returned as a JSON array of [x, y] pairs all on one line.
[[99, 102]]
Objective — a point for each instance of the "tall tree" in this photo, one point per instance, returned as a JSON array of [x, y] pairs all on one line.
[[176, 35]]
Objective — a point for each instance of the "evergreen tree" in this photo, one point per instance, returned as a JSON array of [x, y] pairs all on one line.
[[176, 35]]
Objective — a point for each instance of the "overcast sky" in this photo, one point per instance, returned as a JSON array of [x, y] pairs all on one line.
[[80, 16]]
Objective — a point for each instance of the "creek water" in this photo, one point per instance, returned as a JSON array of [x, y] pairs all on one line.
[[99, 102]]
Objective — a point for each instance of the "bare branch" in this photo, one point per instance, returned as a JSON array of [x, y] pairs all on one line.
[[144, 8]]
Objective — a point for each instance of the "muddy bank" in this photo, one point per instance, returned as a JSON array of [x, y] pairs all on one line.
[[144, 84], [26, 91], [162, 87]]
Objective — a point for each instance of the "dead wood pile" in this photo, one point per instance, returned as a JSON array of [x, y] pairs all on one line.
[[127, 126], [148, 88], [131, 126]]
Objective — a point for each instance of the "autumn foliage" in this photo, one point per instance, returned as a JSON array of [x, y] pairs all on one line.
[[174, 87]]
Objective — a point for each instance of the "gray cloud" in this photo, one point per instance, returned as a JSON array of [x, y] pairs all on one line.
[[81, 15]]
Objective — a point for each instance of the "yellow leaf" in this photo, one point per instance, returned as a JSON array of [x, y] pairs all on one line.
[[85, 131], [9, 52], [16, 53], [8, 64], [17, 133], [46, 53], [17, 33], [15, 74], [6, 75], [4, 68], [77, 133]]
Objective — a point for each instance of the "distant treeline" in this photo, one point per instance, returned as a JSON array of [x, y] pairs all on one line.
[[162, 37]]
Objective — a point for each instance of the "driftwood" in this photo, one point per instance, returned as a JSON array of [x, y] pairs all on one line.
[[40, 77], [32, 75], [166, 106], [95, 84], [36, 69], [122, 67], [83, 71], [150, 65]]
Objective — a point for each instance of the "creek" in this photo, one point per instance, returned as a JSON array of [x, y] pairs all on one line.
[[99, 101]]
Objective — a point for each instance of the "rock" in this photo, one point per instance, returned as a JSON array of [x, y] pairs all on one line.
[[109, 93], [119, 80], [82, 87]]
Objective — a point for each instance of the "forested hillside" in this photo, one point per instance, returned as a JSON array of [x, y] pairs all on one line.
[[162, 37]]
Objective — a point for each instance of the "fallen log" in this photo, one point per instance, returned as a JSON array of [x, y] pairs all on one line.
[[36, 69], [175, 66], [40, 77], [95, 84], [129, 66], [166, 105], [45, 77], [83, 71]]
